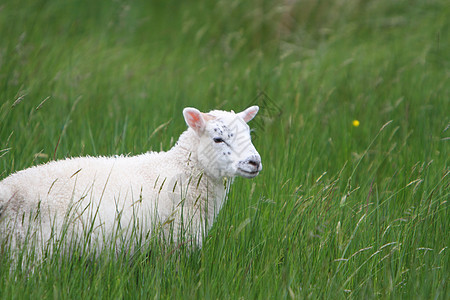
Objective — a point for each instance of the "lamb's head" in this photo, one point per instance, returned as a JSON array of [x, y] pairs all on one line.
[[224, 147]]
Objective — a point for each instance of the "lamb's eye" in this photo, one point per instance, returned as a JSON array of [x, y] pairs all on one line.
[[218, 140]]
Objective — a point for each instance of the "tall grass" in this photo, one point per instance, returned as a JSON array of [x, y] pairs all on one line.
[[338, 211]]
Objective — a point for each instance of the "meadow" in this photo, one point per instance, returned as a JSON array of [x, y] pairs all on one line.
[[353, 132]]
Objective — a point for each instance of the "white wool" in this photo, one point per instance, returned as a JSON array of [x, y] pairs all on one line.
[[182, 189]]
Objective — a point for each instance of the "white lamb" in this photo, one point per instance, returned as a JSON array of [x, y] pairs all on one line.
[[114, 197]]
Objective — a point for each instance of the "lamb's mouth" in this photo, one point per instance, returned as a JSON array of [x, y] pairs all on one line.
[[247, 174]]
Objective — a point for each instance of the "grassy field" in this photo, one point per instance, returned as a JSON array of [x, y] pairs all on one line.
[[339, 210]]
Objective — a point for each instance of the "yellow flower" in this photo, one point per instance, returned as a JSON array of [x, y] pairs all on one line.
[[355, 123]]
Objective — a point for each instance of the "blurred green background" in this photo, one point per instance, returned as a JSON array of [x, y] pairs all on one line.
[[339, 210]]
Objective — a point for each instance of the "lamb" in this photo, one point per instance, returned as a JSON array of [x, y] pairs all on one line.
[[182, 189]]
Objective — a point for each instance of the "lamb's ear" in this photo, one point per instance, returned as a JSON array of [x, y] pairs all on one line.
[[249, 113], [194, 119]]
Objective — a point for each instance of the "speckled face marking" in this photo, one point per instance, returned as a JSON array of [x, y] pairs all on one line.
[[225, 147]]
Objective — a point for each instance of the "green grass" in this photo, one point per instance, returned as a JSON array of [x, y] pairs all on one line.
[[338, 211]]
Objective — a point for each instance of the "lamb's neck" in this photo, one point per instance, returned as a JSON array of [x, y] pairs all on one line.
[[185, 151], [187, 140]]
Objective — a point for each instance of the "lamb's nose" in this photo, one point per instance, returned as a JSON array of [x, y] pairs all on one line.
[[255, 161]]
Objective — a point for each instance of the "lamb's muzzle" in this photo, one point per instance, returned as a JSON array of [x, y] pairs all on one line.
[[250, 167]]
